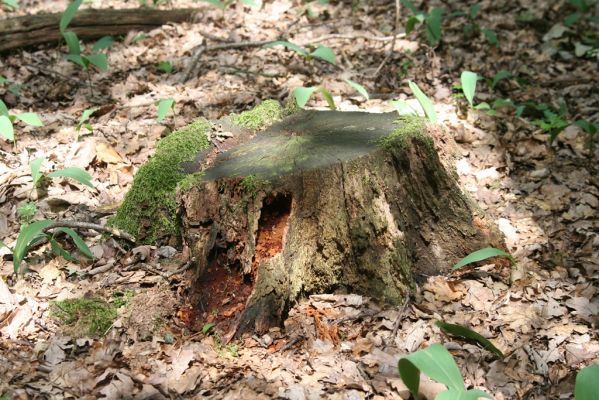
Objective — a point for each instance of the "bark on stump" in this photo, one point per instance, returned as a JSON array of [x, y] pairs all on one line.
[[324, 201]]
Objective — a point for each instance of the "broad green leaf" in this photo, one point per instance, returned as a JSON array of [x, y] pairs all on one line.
[[491, 36], [103, 43], [572, 19], [78, 241], [501, 75], [36, 166], [206, 328], [472, 394], [403, 107], [216, 3], [587, 126], [59, 251], [30, 118], [413, 21], [99, 60], [586, 387], [324, 53], [74, 173], [72, 42], [3, 108], [86, 115], [302, 95], [484, 106], [359, 88], [433, 26], [77, 59], [12, 5], [468, 80], [435, 362], [462, 331], [288, 45], [480, 255], [410, 6], [27, 235], [164, 106], [474, 9], [68, 14], [251, 3], [327, 96], [427, 105], [6, 129]]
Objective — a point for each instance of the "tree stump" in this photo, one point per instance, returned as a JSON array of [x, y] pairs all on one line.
[[323, 201]]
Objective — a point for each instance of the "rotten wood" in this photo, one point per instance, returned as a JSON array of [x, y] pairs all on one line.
[[37, 29]]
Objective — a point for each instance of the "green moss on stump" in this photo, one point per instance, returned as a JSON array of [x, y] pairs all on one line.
[[149, 209], [264, 114], [409, 127]]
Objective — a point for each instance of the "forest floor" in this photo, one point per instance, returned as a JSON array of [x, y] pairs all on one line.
[[543, 196]]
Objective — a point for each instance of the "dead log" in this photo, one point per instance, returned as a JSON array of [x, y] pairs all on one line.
[[31, 30], [324, 201]]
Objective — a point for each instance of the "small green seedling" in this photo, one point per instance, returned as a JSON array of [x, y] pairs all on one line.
[[426, 104], [470, 335], [468, 80], [358, 88], [84, 120], [74, 173], [480, 255], [403, 107], [165, 67], [303, 94], [164, 106], [75, 55], [322, 52], [431, 20], [499, 76], [7, 121], [26, 212], [438, 364]]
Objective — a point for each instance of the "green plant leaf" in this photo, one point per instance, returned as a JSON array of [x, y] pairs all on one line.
[[85, 117], [6, 129], [586, 387], [164, 106], [103, 43], [572, 19], [3, 108], [68, 14], [474, 9], [72, 42], [324, 53], [27, 235], [427, 105], [12, 5], [30, 118], [484, 106], [36, 166], [491, 36], [472, 394], [216, 3], [462, 331], [501, 75], [403, 107], [435, 362], [468, 80], [206, 328], [59, 251], [74, 173], [433, 26], [77, 59], [327, 96], [99, 60], [78, 241], [251, 3], [165, 66], [288, 45], [413, 21], [359, 88], [410, 6], [480, 255], [302, 95], [587, 126]]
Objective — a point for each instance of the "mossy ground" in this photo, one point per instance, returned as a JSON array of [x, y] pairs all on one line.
[[149, 209], [264, 114], [408, 128], [85, 317]]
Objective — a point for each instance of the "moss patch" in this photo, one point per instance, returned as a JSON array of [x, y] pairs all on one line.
[[264, 114], [85, 317], [408, 128], [149, 209]]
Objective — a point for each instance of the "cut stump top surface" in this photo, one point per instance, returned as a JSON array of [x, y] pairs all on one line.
[[305, 141]]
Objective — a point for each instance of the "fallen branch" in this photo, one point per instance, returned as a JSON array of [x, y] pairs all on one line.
[[88, 225], [36, 29]]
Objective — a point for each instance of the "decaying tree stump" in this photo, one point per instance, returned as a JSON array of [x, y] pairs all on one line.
[[319, 202]]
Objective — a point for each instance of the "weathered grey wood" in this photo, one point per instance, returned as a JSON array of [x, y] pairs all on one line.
[[36, 29]]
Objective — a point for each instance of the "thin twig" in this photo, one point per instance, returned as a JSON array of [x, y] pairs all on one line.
[[400, 316], [388, 56], [352, 36], [88, 225], [292, 343]]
